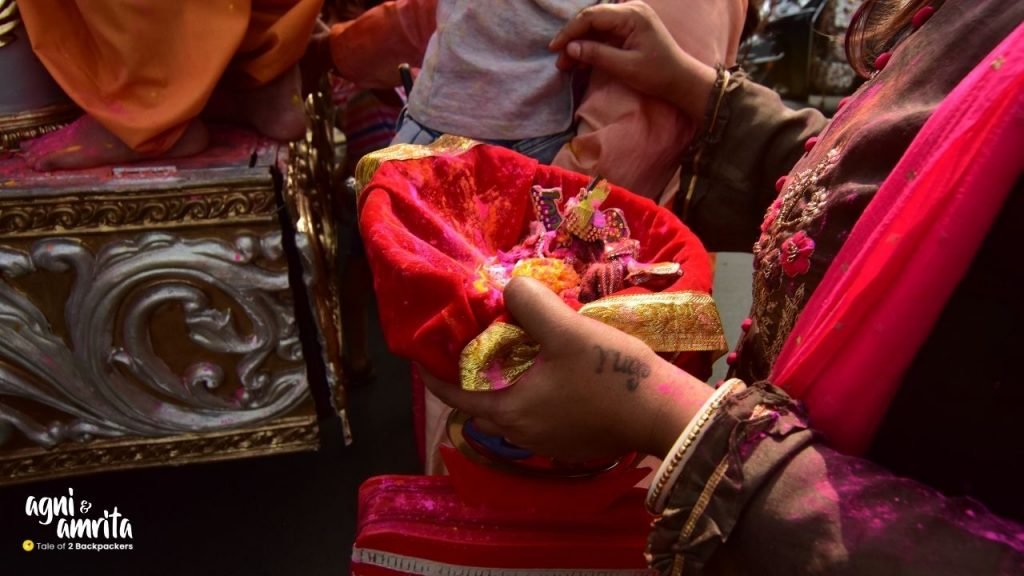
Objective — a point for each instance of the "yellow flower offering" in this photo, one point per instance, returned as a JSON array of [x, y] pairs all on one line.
[[555, 273]]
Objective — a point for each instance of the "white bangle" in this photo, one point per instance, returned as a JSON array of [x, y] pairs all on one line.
[[674, 461]]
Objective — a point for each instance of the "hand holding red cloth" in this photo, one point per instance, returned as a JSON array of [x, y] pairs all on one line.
[[431, 216]]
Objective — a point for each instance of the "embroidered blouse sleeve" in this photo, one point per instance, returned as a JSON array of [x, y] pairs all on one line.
[[728, 176], [783, 503]]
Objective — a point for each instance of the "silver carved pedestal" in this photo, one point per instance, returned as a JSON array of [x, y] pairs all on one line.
[[146, 315]]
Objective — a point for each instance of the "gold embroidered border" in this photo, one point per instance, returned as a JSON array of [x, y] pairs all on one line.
[[698, 511], [506, 347], [447, 144], [666, 321]]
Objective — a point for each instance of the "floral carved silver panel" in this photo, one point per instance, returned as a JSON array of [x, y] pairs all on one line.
[[112, 369]]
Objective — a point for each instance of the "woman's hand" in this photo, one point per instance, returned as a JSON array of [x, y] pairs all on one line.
[[592, 392], [630, 42]]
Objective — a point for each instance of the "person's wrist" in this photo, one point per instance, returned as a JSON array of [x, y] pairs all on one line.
[[676, 459], [676, 399], [693, 90]]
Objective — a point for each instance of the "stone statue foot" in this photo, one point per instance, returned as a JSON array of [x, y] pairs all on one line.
[[274, 109], [85, 143]]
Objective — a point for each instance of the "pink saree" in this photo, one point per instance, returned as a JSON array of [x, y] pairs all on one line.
[[889, 283]]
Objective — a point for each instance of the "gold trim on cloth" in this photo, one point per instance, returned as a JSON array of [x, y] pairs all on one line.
[[665, 321], [503, 349], [447, 144]]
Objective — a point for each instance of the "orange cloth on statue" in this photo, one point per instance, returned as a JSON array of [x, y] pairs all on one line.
[[634, 140], [145, 69]]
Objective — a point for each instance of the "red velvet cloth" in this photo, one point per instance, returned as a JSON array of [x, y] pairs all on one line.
[[589, 524], [429, 223]]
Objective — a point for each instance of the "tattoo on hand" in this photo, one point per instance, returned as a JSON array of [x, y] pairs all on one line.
[[634, 368]]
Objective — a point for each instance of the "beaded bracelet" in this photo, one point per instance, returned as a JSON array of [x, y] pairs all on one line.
[[674, 462]]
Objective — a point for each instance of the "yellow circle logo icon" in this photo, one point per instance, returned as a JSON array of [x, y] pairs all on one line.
[[28, 545]]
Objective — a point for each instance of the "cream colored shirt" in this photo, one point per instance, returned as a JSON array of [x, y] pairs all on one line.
[[487, 72]]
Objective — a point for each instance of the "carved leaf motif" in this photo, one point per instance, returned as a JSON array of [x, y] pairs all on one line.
[[108, 378]]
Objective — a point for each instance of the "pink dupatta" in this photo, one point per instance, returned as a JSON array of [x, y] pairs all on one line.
[[887, 286]]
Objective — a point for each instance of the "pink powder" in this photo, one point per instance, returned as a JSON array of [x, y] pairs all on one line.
[[667, 389], [496, 377]]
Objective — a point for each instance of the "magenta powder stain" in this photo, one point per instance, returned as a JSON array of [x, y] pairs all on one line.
[[495, 376], [666, 388]]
